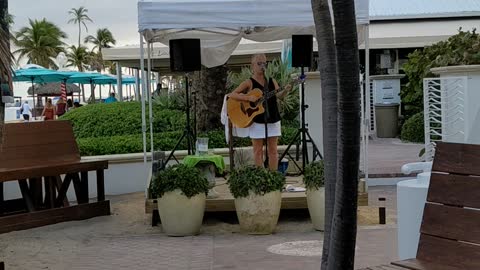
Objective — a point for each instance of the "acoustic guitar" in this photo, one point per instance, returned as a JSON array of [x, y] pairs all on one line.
[[241, 113]]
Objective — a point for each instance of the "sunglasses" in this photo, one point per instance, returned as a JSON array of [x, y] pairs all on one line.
[[262, 63]]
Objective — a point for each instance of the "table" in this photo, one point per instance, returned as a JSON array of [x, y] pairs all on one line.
[[208, 166]]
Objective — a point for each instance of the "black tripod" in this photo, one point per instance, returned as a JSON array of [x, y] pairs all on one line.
[[187, 132], [303, 132]]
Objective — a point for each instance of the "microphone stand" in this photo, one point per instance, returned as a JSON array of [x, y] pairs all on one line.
[[265, 118]]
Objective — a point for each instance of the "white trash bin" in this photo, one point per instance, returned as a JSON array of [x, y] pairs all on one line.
[[411, 198]]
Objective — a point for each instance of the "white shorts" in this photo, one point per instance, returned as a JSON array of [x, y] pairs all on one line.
[[257, 130]]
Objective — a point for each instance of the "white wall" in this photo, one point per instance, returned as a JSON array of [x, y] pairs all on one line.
[[470, 101], [120, 178], [126, 173], [313, 115]]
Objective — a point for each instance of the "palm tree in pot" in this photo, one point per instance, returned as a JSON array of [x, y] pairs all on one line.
[[258, 197], [181, 194]]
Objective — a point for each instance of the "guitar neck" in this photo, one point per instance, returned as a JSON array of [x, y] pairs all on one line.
[[273, 93]]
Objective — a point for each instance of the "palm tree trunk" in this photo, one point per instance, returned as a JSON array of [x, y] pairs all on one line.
[[4, 26], [344, 229], [328, 76], [209, 85], [92, 93], [83, 92], [79, 34]]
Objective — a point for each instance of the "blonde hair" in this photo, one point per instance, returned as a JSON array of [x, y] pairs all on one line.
[[255, 56]]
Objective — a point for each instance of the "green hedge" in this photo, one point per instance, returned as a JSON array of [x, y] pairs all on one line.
[[414, 129], [120, 118], [163, 141], [460, 49], [115, 128]]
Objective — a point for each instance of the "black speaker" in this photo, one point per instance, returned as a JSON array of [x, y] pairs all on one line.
[[185, 55], [302, 50]]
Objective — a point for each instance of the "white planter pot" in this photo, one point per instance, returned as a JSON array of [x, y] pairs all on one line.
[[259, 214], [316, 207], [181, 216]]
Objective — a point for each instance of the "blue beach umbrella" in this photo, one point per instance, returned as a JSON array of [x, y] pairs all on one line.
[[38, 74]]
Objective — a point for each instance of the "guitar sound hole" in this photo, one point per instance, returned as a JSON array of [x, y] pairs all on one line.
[[251, 111]]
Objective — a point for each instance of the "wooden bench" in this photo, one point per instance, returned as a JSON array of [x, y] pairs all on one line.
[[44, 159], [450, 231]]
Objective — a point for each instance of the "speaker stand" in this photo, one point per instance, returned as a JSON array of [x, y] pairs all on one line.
[[303, 134], [188, 133]]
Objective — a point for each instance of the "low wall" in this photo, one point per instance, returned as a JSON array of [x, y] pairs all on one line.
[[126, 173]]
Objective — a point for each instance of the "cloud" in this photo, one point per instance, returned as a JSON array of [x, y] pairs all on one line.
[[120, 16]]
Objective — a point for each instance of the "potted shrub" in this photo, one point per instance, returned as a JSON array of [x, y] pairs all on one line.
[[258, 197], [314, 181], [181, 195]]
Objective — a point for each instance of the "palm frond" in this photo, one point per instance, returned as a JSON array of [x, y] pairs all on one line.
[[39, 41]]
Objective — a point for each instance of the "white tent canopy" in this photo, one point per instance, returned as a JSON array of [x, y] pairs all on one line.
[[221, 24]]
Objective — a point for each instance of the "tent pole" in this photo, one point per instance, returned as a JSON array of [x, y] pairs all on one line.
[[34, 113], [119, 81], [367, 99], [137, 85], [142, 67], [150, 111]]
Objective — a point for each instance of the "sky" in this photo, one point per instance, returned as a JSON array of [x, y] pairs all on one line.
[[119, 16]]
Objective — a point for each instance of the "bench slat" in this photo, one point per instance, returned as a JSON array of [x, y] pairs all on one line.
[[53, 216], [384, 267], [53, 169], [60, 136], [454, 189], [38, 144], [451, 222], [24, 156], [457, 158], [38, 127], [415, 264], [448, 252]]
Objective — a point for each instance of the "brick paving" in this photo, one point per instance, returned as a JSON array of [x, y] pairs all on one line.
[[386, 156], [126, 241]]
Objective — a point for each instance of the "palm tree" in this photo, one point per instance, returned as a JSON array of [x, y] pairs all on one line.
[[344, 229], [8, 20], [210, 86], [96, 62], [328, 75], [5, 63], [79, 57], [40, 42], [103, 39], [79, 16], [111, 66]]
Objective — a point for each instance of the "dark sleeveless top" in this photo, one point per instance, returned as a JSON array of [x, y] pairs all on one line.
[[273, 113]]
